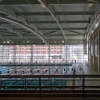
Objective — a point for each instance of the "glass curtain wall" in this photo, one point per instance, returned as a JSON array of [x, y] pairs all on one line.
[[41, 53]]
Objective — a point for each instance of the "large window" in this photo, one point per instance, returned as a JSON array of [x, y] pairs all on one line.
[[96, 46], [41, 53], [92, 47]]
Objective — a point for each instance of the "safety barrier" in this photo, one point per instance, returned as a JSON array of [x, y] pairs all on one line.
[[35, 64], [48, 85]]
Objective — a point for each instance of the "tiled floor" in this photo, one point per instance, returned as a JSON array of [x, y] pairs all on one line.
[[85, 70], [88, 70]]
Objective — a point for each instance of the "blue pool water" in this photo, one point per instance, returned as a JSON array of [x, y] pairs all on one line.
[[64, 70], [44, 82]]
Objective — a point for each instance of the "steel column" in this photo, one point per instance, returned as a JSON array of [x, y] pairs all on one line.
[[49, 58], [98, 49]]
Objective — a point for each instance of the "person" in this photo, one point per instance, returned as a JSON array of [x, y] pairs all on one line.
[[72, 61], [73, 70], [23, 71], [15, 71], [31, 71], [38, 70], [0, 72]]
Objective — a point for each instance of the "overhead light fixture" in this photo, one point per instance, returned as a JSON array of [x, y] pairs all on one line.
[[92, 31], [90, 4], [7, 41], [96, 24], [62, 41], [43, 6]]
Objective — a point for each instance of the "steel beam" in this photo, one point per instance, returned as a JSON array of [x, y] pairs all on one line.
[[19, 2], [23, 2], [56, 13], [46, 22], [53, 32], [63, 29], [70, 1], [76, 32], [51, 11], [98, 49], [11, 30], [1, 36], [23, 21], [24, 26]]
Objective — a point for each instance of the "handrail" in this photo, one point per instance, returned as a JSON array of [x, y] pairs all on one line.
[[35, 64], [49, 90]]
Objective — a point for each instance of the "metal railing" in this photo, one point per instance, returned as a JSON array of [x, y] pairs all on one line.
[[35, 64], [49, 86]]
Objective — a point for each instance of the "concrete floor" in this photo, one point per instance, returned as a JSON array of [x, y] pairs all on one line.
[[89, 71]]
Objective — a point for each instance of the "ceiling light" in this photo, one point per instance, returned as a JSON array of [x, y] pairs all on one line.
[[90, 4], [43, 6], [62, 41], [96, 24], [7, 41], [24, 26]]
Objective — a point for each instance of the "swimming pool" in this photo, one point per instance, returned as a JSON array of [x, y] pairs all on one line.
[[33, 84]]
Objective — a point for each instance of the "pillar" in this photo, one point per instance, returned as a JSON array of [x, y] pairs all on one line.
[[99, 49], [31, 60], [49, 59], [94, 51], [85, 47]]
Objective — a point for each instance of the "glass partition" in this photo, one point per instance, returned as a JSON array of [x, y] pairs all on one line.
[[40, 53]]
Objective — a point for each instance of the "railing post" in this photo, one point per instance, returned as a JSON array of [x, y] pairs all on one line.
[[25, 84], [40, 86], [0, 84], [83, 86]]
